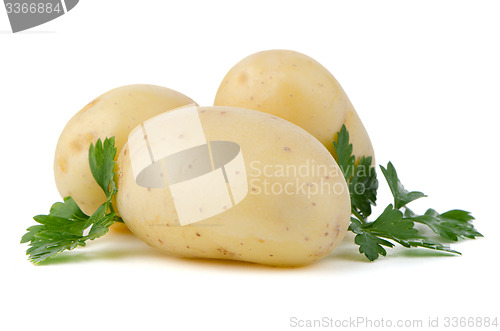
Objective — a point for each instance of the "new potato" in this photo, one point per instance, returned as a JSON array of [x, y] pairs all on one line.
[[296, 211], [114, 113], [297, 88]]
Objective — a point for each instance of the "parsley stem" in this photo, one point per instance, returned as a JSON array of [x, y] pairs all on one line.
[[358, 215], [111, 209]]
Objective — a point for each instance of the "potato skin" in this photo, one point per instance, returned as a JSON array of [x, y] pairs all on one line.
[[114, 113], [297, 88], [276, 229]]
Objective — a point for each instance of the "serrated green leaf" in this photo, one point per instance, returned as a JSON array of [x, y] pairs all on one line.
[[343, 149], [60, 224], [68, 210], [451, 225], [458, 215], [425, 243], [57, 236], [39, 251], [390, 224], [369, 244], [102, 163], [101, 227], [400, 194], [30, 235], [363, 187]]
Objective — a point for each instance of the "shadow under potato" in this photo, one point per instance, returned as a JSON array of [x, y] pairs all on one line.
[[124, 246]]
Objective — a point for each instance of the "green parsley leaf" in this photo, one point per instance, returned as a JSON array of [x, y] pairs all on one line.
[[101, 164], [401, 196], [425, 243], [363, 187], [343, 149], [452, 225], [101, 220], [361, 178], [64, 216], [369, 244], [390, 225], [67, 209], [66, 226]]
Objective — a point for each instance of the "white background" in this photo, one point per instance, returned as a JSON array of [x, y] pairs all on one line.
[[423, 76]]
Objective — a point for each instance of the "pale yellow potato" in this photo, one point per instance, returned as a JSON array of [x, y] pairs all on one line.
[[296, 211], [297, 88], [114, 113]]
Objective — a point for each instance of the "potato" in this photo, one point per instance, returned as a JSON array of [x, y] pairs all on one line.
[[295, 87], [296, 208], [114, 113]]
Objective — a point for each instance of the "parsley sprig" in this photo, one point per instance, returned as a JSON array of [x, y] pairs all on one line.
[[396, 224], [66, 226]]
